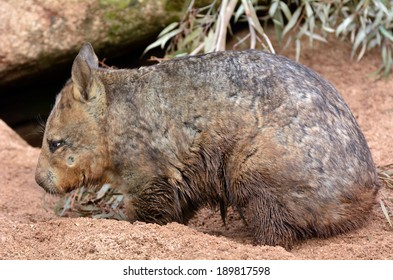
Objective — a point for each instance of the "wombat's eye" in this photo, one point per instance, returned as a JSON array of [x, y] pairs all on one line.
[[54, 145]]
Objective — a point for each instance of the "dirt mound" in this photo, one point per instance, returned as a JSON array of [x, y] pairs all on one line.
[[30, 230]]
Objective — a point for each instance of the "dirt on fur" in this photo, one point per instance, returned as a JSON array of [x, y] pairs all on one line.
[[29, 229]]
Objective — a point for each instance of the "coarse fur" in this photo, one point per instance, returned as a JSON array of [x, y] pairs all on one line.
[[247, 129]]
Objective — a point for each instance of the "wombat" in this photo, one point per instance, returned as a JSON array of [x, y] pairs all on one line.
[[247, 129]]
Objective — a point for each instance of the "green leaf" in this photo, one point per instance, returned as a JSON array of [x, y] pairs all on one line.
[[118, 200], [170, 27], [360, 5], [163, 40], [291, 23], [382, 6], [385, 212], [386, 33], [384, 53], [273, 8], [359, 39], [209, 42], [309, 11], [288, 42], [374, 42], [377, 20], [102, 192], [278, 27], [388, 62], [343, 26], [67, 206], [193, 35], [278, 22], [239, 13], [89, 208], [302, 31], [285, 10], [327, 29], [315, 36], [312, 24], [104, 216], [362, 51]]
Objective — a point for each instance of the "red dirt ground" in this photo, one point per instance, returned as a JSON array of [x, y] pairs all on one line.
[[29, 229]]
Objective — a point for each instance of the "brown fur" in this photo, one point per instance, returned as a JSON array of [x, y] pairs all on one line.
[[246, 129]]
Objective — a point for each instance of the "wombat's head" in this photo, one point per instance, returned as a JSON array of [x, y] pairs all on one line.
[[74, 149]]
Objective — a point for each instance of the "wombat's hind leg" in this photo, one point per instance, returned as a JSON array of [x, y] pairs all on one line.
[[271, 223]]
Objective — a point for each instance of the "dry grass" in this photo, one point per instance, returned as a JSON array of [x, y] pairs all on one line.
[[385, 174], [366, 24], [105, 203]]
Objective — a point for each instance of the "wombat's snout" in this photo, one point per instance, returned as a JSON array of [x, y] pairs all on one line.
[[42, 180], [45, 178], [39, 178]]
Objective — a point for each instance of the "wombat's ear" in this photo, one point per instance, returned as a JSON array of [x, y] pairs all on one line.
[[82, 72]]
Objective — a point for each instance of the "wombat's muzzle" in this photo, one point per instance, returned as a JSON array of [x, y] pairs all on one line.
[[45, 180]]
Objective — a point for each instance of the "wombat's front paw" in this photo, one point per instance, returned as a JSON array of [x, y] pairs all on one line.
[[130, 210]]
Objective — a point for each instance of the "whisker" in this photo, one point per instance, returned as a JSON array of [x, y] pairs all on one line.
[[41, 124]]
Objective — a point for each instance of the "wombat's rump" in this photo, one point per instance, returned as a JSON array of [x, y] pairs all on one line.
[[246, 129]]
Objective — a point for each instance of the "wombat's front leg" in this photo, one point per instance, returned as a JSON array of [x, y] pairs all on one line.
[[158, 203]]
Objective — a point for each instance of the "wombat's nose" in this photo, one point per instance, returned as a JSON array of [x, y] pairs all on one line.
[[38, 178], [43, 181], [40, 173]]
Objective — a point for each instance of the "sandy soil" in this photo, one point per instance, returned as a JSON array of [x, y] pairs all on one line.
[[29, 229]]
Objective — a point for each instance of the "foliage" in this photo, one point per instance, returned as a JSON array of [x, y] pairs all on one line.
[[367, 24], [104, 203], [385, 174]]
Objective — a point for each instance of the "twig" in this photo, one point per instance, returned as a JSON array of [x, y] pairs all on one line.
[[241, 41], [198, 49], [226, 13], [262, 43], [253, 41], [190, 7], [251, 15]]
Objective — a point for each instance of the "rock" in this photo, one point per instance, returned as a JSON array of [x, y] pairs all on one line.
[[36, 35], [9, 140]]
